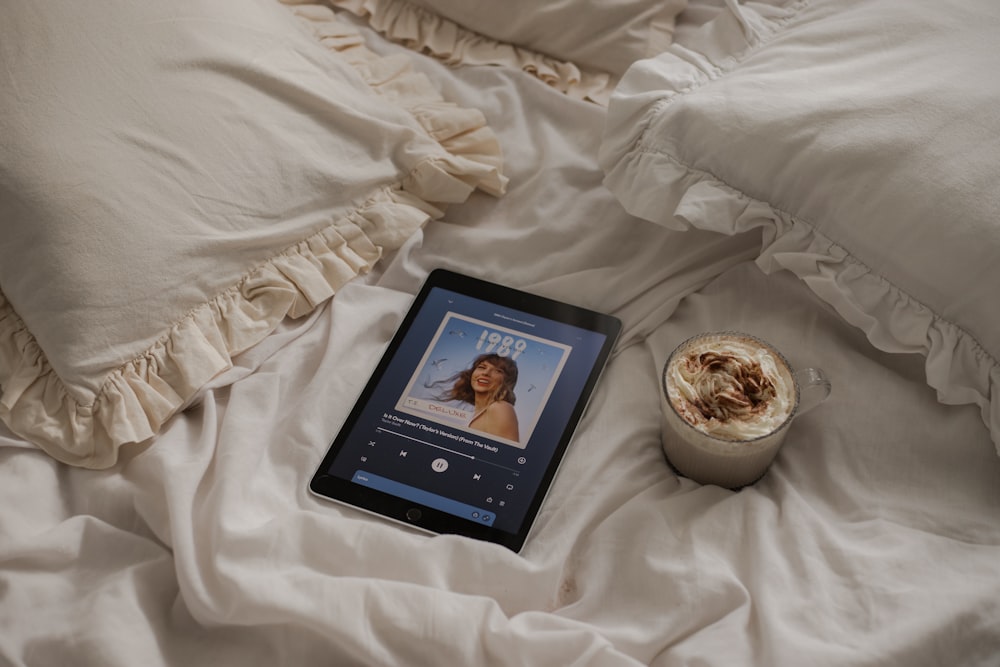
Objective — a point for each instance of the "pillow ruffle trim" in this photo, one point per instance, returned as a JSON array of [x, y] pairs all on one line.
[[138, 398], [957, 367], [423, 31]]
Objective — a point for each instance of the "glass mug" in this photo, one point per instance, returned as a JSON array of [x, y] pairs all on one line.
[[733, 461]]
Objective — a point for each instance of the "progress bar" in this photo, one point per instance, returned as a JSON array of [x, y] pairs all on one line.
[[431, 444]]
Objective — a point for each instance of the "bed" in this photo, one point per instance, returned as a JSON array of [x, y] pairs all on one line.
[[213, 216]]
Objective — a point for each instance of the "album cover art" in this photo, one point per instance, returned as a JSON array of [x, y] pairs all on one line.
[[483, 378]]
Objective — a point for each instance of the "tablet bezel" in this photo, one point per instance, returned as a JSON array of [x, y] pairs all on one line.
[[428, 519]]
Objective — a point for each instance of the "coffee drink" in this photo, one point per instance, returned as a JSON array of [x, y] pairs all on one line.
[[731, 387], [727, 401]]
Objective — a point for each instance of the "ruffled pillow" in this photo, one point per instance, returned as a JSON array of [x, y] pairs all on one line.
[[579, 47], [180, 176], [863, 141]]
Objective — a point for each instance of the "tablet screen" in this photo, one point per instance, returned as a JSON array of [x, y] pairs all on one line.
[[464, 422]]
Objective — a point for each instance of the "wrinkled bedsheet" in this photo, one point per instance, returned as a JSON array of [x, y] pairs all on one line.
[[873, 540]]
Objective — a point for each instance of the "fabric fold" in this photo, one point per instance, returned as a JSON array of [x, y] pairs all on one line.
[[957, 367], [423, 31], [142, 394]]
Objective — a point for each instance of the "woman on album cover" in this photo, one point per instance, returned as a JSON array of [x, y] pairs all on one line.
[[488, 385]]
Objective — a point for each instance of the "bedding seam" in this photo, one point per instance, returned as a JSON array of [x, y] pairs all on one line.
[[212, 303], [717, 71], [715, 180]]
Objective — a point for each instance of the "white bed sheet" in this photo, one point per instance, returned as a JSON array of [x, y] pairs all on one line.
[[873, 540]]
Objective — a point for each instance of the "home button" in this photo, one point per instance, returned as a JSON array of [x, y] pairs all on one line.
[[413, 514]]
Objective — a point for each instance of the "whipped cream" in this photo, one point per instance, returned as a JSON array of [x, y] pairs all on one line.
[[730, 386]]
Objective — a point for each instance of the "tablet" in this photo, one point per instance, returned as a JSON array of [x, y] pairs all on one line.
[[465, 420]]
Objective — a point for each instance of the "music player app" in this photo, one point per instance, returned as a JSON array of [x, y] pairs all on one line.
[[470, 411]]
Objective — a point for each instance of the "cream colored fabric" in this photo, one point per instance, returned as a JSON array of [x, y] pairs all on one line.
[[873, 540], [176, 179], [436, 34], [595, 34], [579, 47], [863, 141]]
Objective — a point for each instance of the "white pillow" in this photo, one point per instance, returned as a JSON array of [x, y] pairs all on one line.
[[179, 176], [864, 140], [576, 46]]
